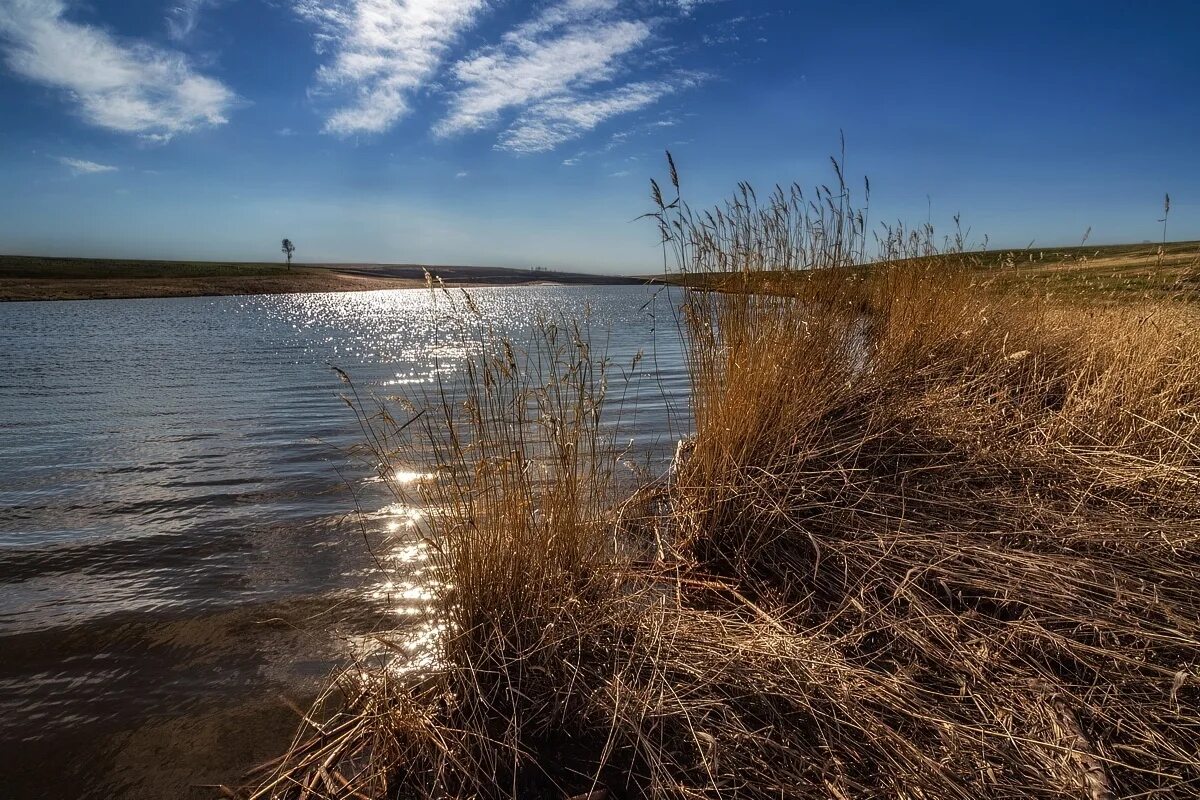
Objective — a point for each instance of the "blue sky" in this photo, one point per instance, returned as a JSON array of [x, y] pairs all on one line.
[[517, 133]]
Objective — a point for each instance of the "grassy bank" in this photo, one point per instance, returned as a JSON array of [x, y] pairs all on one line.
[[932, 537], [1118, 274], [38, 278], [1121, 273]]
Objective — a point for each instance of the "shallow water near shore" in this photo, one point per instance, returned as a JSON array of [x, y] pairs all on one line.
[[178, 543]]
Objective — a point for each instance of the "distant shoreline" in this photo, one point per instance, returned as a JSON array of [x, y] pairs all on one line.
[[31, 278], [36, 289]]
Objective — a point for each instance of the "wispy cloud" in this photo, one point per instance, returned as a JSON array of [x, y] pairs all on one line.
[[688, 6], [183, 17], [382, 52], [548, 124], [81, 166], [130, 87], [560, 73], [496, 81]]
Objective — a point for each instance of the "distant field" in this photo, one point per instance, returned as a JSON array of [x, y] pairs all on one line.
[[41, 278], [1120, 272], [1107, 272], [1111, 271], [100, 269]]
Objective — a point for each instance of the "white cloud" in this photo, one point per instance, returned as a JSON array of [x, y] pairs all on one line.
[[382, 52], [688, 6], [560, 74], [548, 124], [461, 174], [285, 132], [183, 17], [82, 167], [565, 12], [499, 80], [129, 87]]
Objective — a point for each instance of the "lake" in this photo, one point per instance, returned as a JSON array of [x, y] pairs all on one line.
[[179, 548]]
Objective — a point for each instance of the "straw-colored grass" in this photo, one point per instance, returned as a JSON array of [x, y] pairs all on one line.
[[930, 539]]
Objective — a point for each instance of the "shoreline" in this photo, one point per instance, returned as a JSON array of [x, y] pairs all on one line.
[[16, 290], [29, 286]]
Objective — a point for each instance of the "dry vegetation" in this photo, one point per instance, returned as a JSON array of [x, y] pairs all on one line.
[[931, 539], [1121, 273], [1104, 275]]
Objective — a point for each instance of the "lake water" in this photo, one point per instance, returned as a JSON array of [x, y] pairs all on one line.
[[178, 543]]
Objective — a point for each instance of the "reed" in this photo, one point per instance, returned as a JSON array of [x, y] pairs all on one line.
[[985, 500], [930, 538]]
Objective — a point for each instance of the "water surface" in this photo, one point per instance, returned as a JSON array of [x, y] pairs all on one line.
[[178, 542]]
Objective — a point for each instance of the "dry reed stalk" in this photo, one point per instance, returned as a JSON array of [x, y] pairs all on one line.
[[980, 492], [930, 540]]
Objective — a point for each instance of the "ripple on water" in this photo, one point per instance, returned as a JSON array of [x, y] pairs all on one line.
[[176, 547]]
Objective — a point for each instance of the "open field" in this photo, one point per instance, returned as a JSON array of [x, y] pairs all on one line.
[[1107, 273], [37, 278], [930, 537], [1111, 272]]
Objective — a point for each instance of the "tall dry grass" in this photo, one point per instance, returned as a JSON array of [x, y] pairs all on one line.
[[517, 527], [989, 502], [930, 539]]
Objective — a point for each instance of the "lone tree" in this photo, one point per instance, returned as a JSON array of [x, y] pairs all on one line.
[[288, 248]]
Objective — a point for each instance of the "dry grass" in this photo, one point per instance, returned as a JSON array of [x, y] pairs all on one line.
[[931, 539]]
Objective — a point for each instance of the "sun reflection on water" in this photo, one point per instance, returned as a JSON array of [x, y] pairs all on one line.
[[404, 585], [405, 477], [406, 591], [400, 516], [399, 653], [409, 348], [178, 466]]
